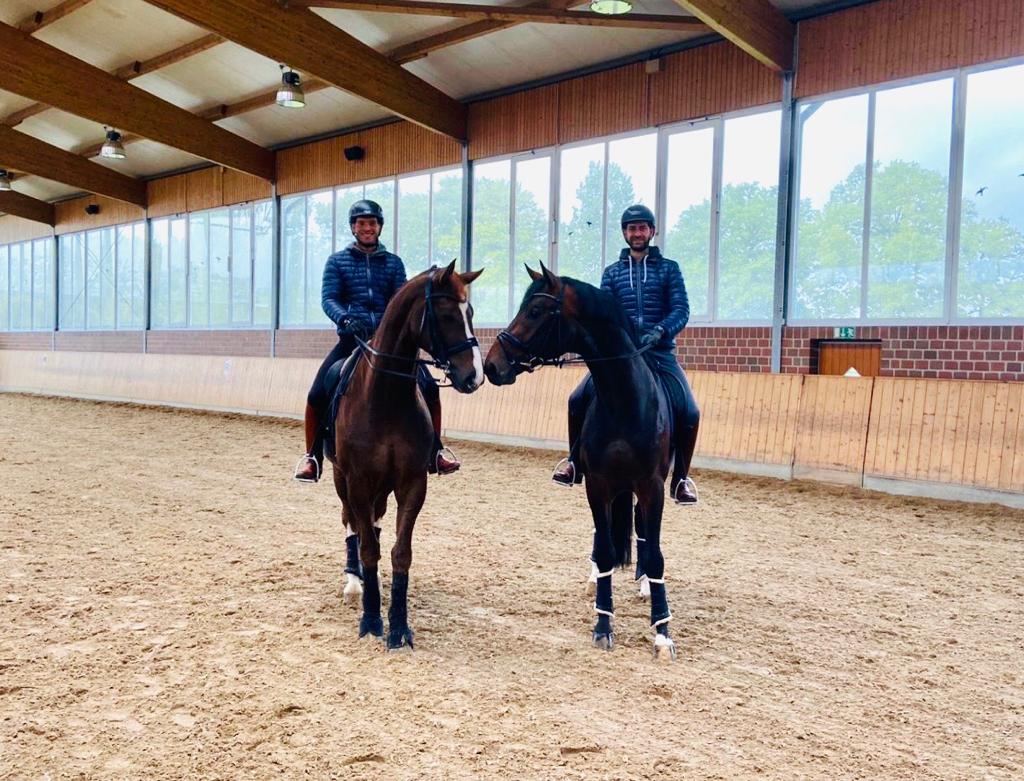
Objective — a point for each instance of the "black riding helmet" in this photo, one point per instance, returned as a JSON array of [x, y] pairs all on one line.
[[365, 208], [638, 213]]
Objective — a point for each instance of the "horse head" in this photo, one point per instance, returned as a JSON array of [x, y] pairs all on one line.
[[447, 326], [544, 328]]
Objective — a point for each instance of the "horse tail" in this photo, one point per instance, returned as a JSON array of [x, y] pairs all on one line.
[[622, 528]]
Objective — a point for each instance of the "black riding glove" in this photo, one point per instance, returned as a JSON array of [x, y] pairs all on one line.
[[354, 324], [652, 337]]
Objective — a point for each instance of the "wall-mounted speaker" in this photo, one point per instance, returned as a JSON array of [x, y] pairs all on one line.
[[354, 153], [92, 208]]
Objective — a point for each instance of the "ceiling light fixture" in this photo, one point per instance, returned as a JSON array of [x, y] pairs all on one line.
[[5, 181], [112, 148], [611, 7], [290, 94]]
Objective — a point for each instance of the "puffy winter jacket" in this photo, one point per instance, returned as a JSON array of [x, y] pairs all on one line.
[[651, 291], [359, 285]]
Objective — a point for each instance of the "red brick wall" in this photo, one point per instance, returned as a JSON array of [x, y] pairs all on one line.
[[725, 349], [100, 341], [304, 343], [256, 343], [25, 340], [960, 352]]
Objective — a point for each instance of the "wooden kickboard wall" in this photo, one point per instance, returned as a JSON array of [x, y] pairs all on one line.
[[840, 429]]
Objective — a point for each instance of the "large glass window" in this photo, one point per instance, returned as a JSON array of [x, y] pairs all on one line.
[[414, 222], [214, 269], [102, 278], [688, 225], [511, 227], [991, 255], [872, 210], [26, 286]]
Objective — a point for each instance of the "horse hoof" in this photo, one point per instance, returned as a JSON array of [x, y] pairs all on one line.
[[353, 591], [664, 649], [400, 640], [603, 640], [645, 588], [371, 625]]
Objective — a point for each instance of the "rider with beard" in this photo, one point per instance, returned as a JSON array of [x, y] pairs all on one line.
[[357, 285], [650, 290]]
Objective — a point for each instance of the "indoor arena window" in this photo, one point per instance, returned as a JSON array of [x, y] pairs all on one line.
[[103, 279], [213, 269], [26, 286]]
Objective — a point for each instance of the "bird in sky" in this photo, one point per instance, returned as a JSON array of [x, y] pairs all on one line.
[[981, 190]]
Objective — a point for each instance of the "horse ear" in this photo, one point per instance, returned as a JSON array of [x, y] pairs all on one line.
[[551, 279], [446, 275], [534, 275], [470, 276]]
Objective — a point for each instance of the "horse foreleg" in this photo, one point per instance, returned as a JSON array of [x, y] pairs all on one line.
[[410, 495], [652, 502], [369, 556], [604, 559]]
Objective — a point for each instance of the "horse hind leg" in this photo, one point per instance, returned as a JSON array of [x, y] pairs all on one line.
[[604, 560], [640, 577], [652, 500]]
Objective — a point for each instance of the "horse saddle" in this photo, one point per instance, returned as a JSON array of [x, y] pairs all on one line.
[[337, 381]]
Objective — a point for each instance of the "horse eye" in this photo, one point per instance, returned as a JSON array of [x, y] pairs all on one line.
[[535, 311]]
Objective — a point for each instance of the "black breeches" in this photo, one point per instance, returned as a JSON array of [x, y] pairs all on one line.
[[319, 393]]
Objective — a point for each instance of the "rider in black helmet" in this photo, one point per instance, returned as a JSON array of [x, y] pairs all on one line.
[[358, 283], [650, 290]]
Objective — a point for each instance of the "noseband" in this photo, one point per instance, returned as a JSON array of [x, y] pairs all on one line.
[[441, 354]]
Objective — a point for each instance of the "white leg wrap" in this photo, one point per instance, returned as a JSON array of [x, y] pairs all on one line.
[[662, 621], [607, 574], [641, 539], [645, 587], [604, 612], [657, 580]]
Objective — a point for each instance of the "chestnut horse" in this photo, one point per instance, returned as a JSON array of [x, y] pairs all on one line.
[[626, 443], [384, 436]]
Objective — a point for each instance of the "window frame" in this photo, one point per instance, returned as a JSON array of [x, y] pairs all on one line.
[[143, 257]]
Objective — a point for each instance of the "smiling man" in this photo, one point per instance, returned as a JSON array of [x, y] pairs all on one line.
[[357, 285], [651, 291]]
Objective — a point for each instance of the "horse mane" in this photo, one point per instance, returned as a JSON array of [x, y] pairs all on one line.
[[596, 305]]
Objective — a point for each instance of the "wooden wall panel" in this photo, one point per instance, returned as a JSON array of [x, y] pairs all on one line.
[[204, 189], [894, 39], [612, 101], [514, 123], [948, 431], [395, 148], [831, 433], [167, 196], [71, 216], [239, 187], [709, 80], [14, 229]]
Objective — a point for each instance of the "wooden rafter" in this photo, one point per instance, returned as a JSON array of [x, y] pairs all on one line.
[[415, 50], [40, 19], [756, 26], [128, 72], [41, 72], [314, 46], [499, 13], [32, 156], [21, 205]]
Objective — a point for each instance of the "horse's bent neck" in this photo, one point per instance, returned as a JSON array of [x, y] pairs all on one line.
[[625, 386], [394, 337]]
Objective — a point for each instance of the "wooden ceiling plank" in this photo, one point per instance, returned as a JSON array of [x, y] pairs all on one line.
[[756, 26], [41, 72], [501, 13], [40, 19], [32, 156], [130, 71], [415, 50], [314, 46], [21, 205]]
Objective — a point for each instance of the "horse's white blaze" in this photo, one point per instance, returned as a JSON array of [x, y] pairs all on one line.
[[478, 362]]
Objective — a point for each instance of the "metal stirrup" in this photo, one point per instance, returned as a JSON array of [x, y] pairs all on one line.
[[299, 463]]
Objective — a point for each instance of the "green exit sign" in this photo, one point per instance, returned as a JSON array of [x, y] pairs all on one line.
[[846, 332]]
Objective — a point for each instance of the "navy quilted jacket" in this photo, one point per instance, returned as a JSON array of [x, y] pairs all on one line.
[[360, 285], [651, 292]]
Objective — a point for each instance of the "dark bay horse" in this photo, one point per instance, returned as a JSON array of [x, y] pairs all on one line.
[[384, 436], [625, 445]]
